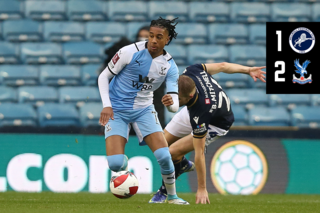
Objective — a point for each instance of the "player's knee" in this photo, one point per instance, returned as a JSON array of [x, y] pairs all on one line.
[[117, 163], [164, 159]]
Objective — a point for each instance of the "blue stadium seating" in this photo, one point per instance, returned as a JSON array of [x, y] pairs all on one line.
[[18, 75], [7, 94], [306, 116], [240, 116], [87, 10], [11, 10], [17, 115], [89, 74], [168, 10], [258, 34], [60, 75], [9, 53], [37, 95], [58, 115], [82, 52], [178, 53], [207, 54], [250, 55], [79, 95], [191, 33], [249, 12], [181, 68], [41, 53], [209, 12], [22, 30], [232, 80], [291, 12], [90, 114], [248, 97], [127, 11], [105, 31], [228, 34], [269, 116], [63, 31], [315, 99], [316, 12], [133, 28], [290, 100], [45, 10], [258, 83]]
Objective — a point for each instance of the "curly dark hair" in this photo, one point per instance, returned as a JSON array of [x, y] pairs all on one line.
[[167, 24]]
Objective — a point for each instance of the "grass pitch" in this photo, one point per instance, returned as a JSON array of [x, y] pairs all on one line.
[[86, 202]]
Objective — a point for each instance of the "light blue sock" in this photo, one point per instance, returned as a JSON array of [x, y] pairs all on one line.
[[118, 163]]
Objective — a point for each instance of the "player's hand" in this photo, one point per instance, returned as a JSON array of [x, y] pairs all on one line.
[[256, 72], [105, 115], [167, 100], [202, 196]]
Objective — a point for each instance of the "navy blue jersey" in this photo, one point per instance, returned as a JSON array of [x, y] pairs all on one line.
[[210, 104]]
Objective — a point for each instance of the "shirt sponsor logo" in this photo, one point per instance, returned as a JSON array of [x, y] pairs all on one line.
[[200, 128], [115, 59]]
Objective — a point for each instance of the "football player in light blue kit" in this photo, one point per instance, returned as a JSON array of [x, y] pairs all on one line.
[[138, 70]]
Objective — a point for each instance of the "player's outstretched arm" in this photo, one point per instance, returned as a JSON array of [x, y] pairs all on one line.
[[230, 68], [199, 160]]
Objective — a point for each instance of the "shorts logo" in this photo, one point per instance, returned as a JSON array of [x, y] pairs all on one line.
[[302, 70], [196, 119], [302, 40], [207, 100], [115, 59], [108, 128]]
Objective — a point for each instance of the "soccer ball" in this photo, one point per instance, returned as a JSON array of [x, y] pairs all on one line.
[[124, 184]]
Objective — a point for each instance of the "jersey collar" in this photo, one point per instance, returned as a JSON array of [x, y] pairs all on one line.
[[193, 100]]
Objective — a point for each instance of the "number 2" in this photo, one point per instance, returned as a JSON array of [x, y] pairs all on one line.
[[223, 95], [276, 74]]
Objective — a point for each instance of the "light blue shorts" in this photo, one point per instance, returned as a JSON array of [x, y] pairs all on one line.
[[144, 122]]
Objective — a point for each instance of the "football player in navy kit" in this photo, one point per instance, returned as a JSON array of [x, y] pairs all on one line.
[[207, 116]]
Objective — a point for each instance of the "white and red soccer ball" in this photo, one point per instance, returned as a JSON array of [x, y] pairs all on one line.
[[124, 184]]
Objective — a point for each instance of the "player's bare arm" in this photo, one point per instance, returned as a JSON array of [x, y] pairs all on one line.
[[230, 68], [199, 160]]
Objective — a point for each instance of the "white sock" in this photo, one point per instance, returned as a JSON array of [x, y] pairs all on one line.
[[170, 183]]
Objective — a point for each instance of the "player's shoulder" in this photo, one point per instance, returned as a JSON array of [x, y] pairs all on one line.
[[134, 47], [197, 67]]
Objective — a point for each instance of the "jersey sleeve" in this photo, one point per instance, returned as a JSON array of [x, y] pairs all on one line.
[[200, 120], [120, 60], [172, 78]]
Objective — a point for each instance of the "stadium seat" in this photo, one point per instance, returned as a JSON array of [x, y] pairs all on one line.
[[82, 52], [22, 30], [45, 10], [79, 95], [316, 12], [17, 115], [133, 28], [7, 94], [168, 10], [58, 115], [105, 31], [250, 55], [89, 74], [11, 10], [18, 75], [248, 97], [41, 53], [9, 53], [127, 11], [291, 12], [207, 54], [258, 34], [90, 114], [228, 34], [306, 116], [315, 99], [209, 12], [37, 95], [232, 80], [191, 33], [63, 31], [269, 116], [250, 12], [290, 100], [181, 68], [87, 10], [178, 53], [60, 75], [240, 116]]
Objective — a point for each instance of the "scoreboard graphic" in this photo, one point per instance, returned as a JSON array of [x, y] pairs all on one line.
[[293, 58]]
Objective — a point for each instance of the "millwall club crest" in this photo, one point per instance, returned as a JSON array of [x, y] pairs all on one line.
[[302, 40], [302, 70]]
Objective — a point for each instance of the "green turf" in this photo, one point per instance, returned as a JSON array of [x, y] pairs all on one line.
[[85, 202]]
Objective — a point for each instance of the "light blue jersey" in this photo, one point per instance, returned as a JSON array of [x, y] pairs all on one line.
[[137, 75]]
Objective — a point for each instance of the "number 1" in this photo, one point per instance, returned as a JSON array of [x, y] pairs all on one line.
[[279, 40]]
